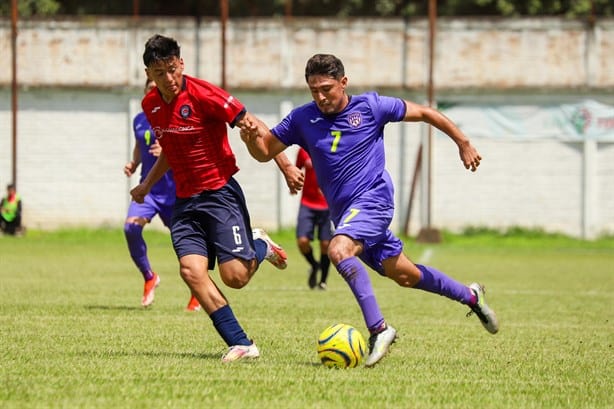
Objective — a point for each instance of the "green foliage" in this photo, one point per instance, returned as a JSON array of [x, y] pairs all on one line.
[[317, 8], [73, 333], [29, 8]]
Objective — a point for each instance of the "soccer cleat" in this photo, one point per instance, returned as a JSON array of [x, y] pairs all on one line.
[[193, 305], [379, 344], [149, 290], [240, 353], [322, 286], [274, 253], [313, 279], [487, 317]]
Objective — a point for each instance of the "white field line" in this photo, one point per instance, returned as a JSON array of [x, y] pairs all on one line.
[[426, 256]]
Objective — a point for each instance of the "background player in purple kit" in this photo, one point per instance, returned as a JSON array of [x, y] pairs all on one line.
[[159, 201], [344, 136]]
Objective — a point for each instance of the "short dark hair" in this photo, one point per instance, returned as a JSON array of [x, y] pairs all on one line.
[[160, 48], [324, 64]]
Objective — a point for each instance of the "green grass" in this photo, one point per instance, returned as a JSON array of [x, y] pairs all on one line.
[[72, 333]]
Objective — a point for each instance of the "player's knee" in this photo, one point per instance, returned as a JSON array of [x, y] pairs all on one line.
[[336, 255], [189, 275], [403, 280], [236, 281]]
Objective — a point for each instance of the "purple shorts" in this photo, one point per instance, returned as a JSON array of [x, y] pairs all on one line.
[[214, 224], [307, 221], [154, 205], [368, 223]]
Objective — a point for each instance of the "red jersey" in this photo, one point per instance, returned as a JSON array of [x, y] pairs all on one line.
[[312, 196], [192, 132]]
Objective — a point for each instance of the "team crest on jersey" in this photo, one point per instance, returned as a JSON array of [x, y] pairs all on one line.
[[185, 111], [355, 119], [158, 132]]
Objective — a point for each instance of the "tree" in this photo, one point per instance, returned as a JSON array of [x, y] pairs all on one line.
[[28, 8]]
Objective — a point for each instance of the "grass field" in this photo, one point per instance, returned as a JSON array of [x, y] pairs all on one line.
[[73, 334]]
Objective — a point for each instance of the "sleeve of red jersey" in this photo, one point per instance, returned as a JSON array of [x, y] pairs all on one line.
[[221, 104]]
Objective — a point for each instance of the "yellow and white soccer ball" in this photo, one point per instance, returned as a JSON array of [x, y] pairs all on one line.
[[341, 346]]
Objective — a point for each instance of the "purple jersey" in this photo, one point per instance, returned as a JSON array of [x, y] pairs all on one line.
[[145, 138], [346, 149]]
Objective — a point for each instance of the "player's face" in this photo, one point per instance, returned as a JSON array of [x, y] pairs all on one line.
[[328, 93], [168, 76]]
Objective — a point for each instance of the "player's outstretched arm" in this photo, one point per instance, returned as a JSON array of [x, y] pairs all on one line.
[[260, 141], [159, 168], [131, 166], [295, 178], [468, 153]]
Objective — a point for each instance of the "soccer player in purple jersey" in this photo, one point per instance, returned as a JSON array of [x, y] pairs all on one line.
[[344, 136], [159, 201]]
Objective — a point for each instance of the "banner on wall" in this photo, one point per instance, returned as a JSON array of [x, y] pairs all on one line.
[[576, 122]]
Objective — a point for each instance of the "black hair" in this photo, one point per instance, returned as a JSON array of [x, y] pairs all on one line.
[[160, 48], [324, 64]]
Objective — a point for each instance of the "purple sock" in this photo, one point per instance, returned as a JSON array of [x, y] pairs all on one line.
[[138, 248], [435, 281], [228, 327], [357, 277]]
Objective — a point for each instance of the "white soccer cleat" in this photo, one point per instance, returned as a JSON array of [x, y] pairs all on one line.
[[379, 345], [274, 253], [487, 317], [241, 353]]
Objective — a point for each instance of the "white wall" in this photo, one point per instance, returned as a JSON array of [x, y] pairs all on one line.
[[73, 145], [78, 78]]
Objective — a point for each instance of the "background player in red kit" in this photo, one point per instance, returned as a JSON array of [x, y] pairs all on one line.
[[210, 219], [313, 214]]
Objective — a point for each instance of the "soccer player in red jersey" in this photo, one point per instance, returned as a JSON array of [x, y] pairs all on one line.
[[159, 201], [210, 221], [313, 214]]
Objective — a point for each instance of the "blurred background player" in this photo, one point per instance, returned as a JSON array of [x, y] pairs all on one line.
[[159, 201], [210, 218], [313, 213], [10, 211]]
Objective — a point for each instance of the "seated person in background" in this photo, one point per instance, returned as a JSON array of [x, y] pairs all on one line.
[[10, 214]]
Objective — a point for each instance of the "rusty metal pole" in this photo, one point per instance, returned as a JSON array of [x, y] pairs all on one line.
[[224, 18], [430, 234], [14, 88], [431, 98]]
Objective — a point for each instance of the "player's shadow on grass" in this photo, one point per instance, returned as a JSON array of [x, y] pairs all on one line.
[[155, 354], [113, 307]]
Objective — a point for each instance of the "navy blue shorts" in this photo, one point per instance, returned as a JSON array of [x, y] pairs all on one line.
[[309, 219], [214, 224]]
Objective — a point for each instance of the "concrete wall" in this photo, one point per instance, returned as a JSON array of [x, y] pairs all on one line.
[[82, 80], [271, 53]]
